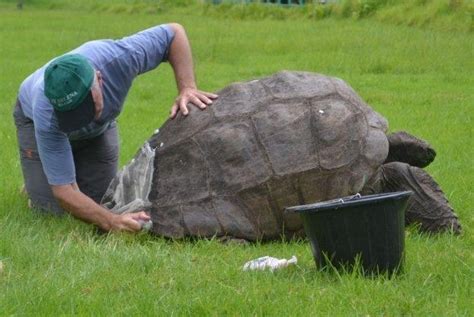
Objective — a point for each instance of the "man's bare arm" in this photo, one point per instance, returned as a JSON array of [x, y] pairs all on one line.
[[84, 208], [181, 60]]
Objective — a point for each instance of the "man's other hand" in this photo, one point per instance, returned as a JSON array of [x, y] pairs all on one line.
[[200, 99], [129, 222]]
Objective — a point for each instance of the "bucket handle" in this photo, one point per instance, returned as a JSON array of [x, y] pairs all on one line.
[[349, 198]]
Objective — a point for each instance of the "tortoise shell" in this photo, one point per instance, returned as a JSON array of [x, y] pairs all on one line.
[[289, 139]]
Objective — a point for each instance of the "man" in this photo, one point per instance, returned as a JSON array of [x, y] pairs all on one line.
[[65, 118]]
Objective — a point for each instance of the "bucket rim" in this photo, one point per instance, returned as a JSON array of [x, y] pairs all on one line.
[[348, 201]]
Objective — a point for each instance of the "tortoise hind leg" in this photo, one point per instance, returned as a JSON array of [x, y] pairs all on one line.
[[406, 148], [427, 206]]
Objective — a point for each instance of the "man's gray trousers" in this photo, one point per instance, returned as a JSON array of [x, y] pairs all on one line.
[[95, 160]]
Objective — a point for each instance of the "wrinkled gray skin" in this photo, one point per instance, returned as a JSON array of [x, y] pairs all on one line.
[[289, 139]]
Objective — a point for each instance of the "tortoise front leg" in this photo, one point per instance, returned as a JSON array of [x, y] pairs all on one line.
[[427, 206]]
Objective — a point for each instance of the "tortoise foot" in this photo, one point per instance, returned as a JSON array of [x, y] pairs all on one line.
[[428, 205], [232, 240]]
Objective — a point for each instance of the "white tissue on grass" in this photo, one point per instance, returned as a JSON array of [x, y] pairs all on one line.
[[270, 263]]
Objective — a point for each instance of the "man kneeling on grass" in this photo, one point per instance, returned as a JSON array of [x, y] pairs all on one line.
[[65, 119]]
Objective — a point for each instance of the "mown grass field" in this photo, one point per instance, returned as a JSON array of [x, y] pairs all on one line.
[[420, 80]]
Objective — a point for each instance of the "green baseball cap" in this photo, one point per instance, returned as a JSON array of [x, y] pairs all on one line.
[[67, 83]]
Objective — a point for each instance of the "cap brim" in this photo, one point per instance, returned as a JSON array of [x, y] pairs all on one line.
[[77, 118]]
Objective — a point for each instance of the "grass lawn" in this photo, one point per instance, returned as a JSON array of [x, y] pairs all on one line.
[[421, 81]]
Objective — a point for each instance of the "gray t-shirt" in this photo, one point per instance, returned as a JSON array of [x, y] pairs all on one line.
[[119, 61]]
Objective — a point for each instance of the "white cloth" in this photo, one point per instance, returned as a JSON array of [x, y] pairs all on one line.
[[270, 263]]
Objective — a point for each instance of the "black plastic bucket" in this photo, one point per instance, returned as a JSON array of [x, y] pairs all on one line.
[[370, 228]]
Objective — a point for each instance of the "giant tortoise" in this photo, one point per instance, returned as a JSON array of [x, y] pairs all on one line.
[[289, 139]]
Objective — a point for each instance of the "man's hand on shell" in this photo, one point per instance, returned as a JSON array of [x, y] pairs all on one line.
[[200, 99]]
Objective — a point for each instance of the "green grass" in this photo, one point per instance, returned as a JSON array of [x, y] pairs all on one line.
[[421, 80], [442, 15]]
